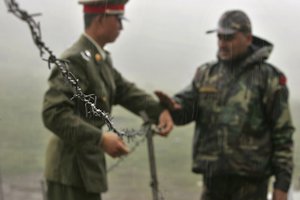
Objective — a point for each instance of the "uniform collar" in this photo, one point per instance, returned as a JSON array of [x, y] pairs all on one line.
[[100, 50]]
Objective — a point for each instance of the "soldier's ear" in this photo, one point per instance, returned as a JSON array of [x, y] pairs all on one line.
[[100, 21]]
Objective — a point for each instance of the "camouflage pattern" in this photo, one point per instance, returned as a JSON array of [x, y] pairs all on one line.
[[73, 155], [234, 187], [233, 21], [243, 122]]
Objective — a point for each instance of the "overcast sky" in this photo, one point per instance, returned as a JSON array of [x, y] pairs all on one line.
[[161, 45]]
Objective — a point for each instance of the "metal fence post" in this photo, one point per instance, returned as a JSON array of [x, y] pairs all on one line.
[[152, 163], [151, 154]]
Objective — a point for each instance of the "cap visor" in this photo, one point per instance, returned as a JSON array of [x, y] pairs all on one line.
[[211, 31], [223, 31], [124, 18]]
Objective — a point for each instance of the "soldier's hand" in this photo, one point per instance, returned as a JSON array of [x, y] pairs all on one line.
[[113, 145], [167, 101], [165, 124], [279, 195]]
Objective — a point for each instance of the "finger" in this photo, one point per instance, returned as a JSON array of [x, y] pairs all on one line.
[[168, 101], [123, 149], [166, 129], [124, 146], [158, 93], [169, 126], [162, 96], [163, 133], [113, 154], [165, 119]]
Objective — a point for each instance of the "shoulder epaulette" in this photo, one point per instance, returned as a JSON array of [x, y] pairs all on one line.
[[86, 55]]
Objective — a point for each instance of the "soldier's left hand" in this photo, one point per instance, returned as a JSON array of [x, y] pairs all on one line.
[[165, 124], [279, 195]]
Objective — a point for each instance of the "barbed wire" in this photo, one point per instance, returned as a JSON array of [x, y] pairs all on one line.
[[144, 131], [47, 55], [147, 130]]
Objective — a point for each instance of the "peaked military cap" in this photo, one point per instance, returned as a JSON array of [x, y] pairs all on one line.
[[103, 6], [233, 21]]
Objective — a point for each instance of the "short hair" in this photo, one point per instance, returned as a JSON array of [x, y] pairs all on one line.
[[88, 18]]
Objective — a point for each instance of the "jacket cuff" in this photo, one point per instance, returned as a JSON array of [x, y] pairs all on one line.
[[282, 185]]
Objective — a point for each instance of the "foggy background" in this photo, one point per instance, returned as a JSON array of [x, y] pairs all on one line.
[[160, 47]]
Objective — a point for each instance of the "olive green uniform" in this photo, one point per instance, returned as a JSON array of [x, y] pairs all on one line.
[[74, 157]]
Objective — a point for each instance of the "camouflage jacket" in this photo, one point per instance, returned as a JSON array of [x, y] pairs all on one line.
[[243, 122], [73, 155]]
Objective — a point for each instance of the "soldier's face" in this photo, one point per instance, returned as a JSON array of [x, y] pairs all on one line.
[[233, 45], [112, 25]]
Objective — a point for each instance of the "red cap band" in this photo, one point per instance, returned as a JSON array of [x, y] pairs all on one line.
[[103, 8]]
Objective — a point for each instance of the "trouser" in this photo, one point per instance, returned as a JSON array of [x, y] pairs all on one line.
[[234, 188], [58, 191]]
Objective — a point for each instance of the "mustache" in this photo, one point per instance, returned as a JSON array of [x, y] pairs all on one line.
[[225, 49]]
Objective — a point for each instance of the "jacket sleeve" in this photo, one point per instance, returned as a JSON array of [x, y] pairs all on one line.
[[282, 130], [135, 99], [62, 115], [188, 99]]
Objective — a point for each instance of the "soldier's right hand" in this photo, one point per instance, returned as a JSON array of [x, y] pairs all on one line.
[[113, 145]]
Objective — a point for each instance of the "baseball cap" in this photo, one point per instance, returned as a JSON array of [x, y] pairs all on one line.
[[233, 21]]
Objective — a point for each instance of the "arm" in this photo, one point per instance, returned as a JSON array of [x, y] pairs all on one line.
[[180, 106], [282, 130], [61, 115], [65, 118], [136, 100], [188, 99]]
